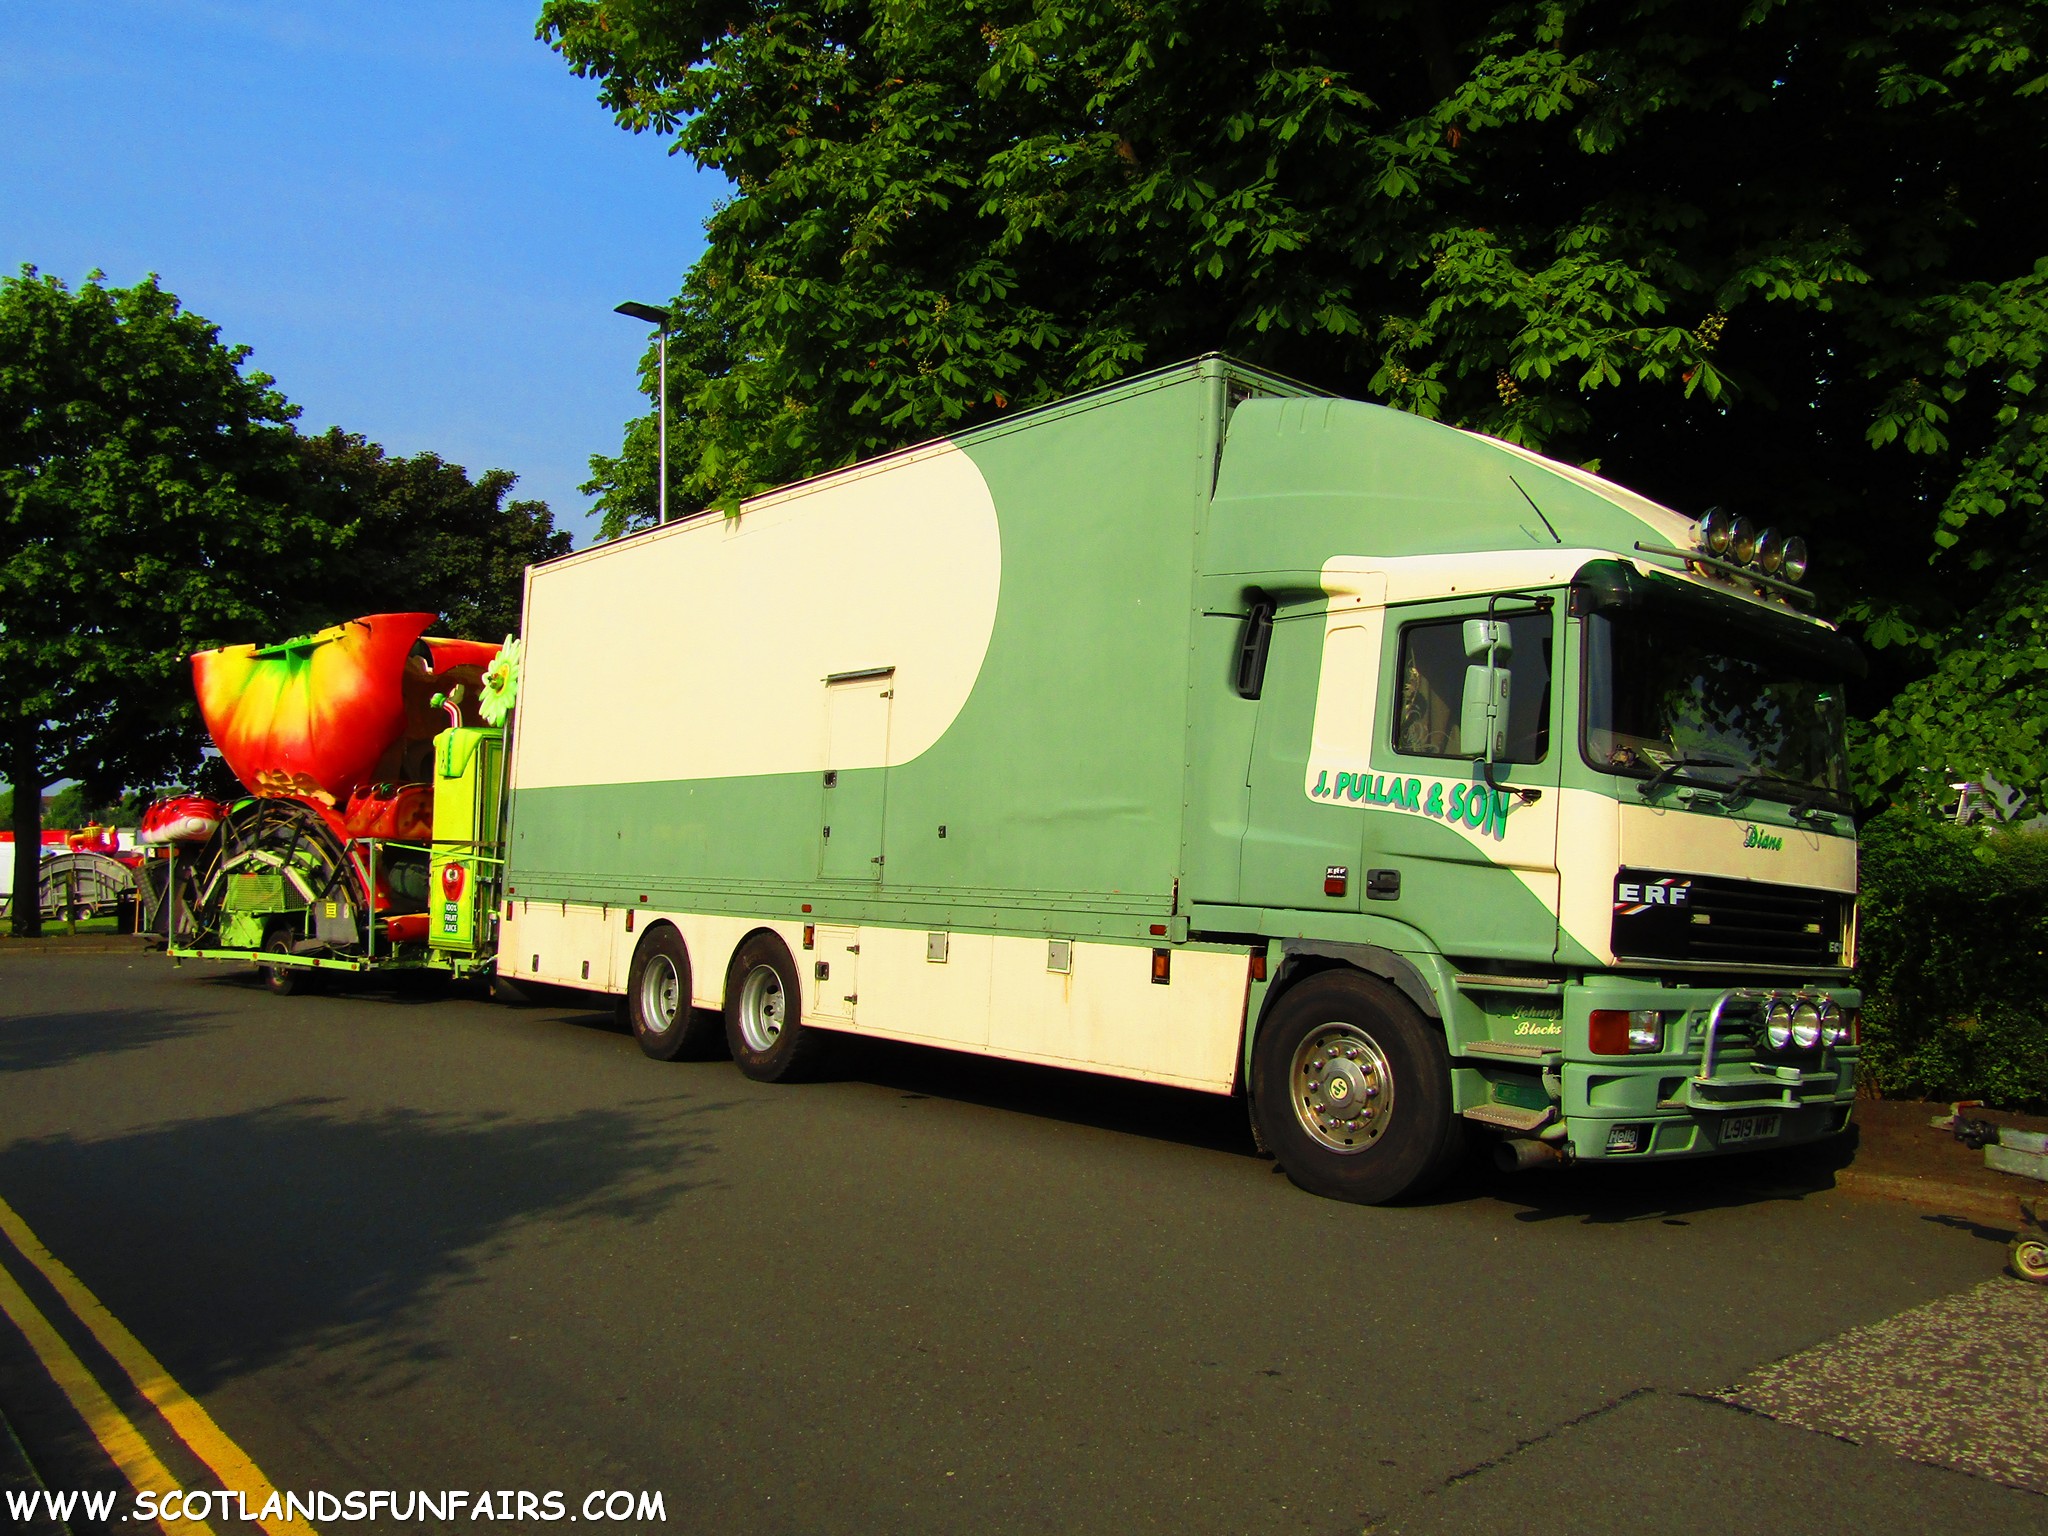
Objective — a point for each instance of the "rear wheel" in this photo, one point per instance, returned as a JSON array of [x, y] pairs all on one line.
[[658, 1000], [1352, 1087], [282, 980], [764, 1014]]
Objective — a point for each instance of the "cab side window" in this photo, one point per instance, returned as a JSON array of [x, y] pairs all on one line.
[[1433, 664]]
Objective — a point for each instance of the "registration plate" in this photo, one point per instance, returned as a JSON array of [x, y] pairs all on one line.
[[1738, 1128]]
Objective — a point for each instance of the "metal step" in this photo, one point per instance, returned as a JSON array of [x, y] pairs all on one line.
[[1510, 1118], [1472, 982], [1513, 1050]]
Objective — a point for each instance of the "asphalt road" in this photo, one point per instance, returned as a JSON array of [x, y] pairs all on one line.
[[398, 1242]]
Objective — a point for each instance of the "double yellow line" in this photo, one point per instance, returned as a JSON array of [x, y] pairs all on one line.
[[114, 1430]]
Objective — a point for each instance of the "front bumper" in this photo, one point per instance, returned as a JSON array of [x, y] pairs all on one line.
[[1709, 1092]]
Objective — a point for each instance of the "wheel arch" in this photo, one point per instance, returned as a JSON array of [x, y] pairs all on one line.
[[729, 973], [646, 936], [654, 926], [1303, 958]]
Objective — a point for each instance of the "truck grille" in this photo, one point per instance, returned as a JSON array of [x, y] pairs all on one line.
[[1708, 919]]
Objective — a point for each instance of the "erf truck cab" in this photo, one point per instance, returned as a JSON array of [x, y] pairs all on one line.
[[1209, 731]]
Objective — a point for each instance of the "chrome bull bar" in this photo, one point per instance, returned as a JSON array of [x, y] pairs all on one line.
[[1754, 1085]]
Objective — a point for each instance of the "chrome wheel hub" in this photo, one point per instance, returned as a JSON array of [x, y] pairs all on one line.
[[661, 994], [1342, 1087], [761, 1008]]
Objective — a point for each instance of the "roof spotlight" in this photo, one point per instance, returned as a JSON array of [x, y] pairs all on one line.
[[1717, 531], [1795, 558], [1770, 552], [1742, 541]]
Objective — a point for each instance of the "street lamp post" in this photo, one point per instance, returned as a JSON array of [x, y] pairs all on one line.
[[660, 318]]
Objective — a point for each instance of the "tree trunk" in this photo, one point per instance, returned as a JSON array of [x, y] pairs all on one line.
[[25, 904]]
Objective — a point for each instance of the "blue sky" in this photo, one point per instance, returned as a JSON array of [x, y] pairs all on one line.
[[413, 213]]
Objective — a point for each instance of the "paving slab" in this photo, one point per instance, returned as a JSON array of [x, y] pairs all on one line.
[[1961, 1382], [1658, 1462]]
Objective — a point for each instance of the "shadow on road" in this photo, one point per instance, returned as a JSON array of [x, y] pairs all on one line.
[[32, 1042], [1593, 1193], [403, 988], [299, 1226], [930, 1071], [1177, 1115], [1667, 1192]]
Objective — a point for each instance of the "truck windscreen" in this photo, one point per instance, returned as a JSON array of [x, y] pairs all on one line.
[[1668, 697]]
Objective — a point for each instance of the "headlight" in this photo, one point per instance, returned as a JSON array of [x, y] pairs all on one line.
[[1806, 1025], [1795, 559], [1625, 1031]]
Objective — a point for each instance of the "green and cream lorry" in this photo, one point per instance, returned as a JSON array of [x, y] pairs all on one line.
[[1210, 731], [1203, 730]]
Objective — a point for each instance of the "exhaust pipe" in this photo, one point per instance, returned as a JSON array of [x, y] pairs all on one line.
[[1521, 1153]]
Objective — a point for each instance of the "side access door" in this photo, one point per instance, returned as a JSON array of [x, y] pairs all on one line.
[[856, 790]]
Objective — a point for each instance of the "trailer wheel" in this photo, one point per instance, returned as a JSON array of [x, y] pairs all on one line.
[[658, 1000], [763, 1014], [2029, 1258], [282, 980], [1352, 1087]]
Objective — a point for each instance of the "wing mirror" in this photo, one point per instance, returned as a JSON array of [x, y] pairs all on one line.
[[1483, 709]]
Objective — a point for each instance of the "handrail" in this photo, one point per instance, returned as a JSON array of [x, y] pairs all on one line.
[[1729, 567]]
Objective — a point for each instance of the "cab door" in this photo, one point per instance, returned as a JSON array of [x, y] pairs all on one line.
[[1470, 861]]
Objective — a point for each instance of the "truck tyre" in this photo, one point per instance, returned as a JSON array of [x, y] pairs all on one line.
[[763, 1014], [282, 980], [1352, 1088], [658, 1000]]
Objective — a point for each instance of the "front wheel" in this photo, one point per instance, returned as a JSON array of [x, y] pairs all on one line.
[[764, 1014], [1352, 1087], [658, 1000]]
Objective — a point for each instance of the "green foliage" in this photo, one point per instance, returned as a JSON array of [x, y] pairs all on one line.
[[1954, 960], [72, 807], [146, 509], [1982, 708], [1771, 257], [416, 534], [68, 808]]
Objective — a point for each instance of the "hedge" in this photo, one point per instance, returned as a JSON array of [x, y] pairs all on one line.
[[1953, 960]]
